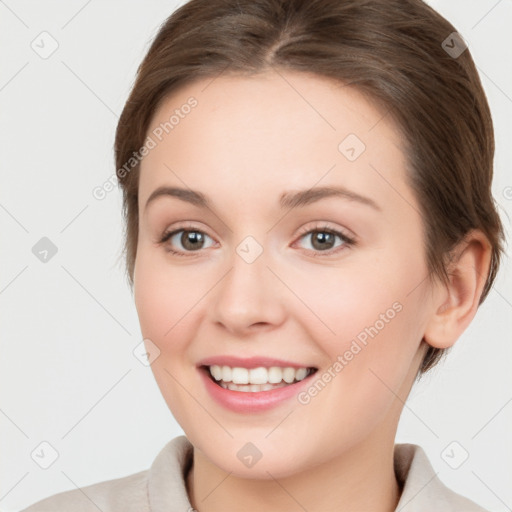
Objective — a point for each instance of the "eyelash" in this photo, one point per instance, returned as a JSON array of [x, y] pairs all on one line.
[[347, 240]]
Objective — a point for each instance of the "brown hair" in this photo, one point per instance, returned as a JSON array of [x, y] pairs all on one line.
[[390, 50]]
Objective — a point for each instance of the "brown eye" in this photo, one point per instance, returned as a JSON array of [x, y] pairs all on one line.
[[325, 240], [322, 240], [190, 240]]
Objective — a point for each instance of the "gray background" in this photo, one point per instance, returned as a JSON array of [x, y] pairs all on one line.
[[69, 326]]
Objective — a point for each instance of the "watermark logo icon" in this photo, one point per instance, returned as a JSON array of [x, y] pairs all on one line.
[[351, 147], [44, 455], [45, 45], [455, 455], [454, 45], [44, 250], [146, 352], [249, 455], [249, 249]]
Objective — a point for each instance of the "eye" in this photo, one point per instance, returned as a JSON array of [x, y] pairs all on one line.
[[190, 239], [323, 240]]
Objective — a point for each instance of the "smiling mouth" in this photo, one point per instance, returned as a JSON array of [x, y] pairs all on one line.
[[256, 379]]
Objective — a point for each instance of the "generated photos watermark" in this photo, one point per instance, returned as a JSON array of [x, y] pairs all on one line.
[[356, 346], [157, 134]]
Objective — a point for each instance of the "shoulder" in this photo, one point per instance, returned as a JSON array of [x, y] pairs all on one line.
[[163, 483], [422, 490], [128, 494]]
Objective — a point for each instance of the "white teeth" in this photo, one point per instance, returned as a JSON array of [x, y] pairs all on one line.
[[216, 372], [301, 373], [239, 375], [257, 377], [226, 374], [275, 375], [289, 375], [254, 388]]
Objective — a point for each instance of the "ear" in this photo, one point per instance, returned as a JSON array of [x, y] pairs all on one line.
[[456, 302]]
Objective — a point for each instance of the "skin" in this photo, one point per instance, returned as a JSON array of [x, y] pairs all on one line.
[[248, 140]]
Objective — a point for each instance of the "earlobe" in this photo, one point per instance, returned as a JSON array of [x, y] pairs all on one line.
[[456, 301]]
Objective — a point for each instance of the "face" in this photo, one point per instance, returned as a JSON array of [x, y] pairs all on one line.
[[267, 273]]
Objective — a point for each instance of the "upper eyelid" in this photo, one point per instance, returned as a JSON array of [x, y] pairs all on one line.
[[322, 226], [303, 231]]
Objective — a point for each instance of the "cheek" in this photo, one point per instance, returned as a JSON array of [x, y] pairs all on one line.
[[365, 298], [370, 329], [164, 300]]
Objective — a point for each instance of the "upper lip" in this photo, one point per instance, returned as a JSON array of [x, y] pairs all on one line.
[[250, 362]]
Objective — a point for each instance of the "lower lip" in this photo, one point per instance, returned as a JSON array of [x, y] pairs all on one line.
[[248, 401]]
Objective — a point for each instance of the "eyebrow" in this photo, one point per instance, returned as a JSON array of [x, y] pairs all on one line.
[[289, 199]]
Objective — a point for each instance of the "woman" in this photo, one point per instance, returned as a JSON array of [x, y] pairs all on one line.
[[309, 228]]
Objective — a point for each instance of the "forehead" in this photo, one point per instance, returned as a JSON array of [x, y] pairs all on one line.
[[272, 131]]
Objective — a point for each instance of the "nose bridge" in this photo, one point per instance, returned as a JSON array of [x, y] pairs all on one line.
[[250, 249], [248, 292], [247, 277]]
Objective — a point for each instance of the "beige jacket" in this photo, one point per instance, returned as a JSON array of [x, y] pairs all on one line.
[[162, 487]]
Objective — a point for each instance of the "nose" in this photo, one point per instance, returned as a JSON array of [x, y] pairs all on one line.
[[250, 297]]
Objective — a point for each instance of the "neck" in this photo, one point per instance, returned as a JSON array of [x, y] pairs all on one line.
[[360, 479]]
